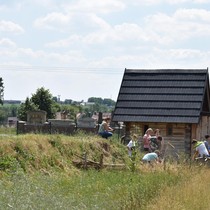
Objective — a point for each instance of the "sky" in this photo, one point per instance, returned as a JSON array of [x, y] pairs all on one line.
[[79, 49]]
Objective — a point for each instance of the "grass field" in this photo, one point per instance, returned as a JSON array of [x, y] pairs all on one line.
[[37, 172]]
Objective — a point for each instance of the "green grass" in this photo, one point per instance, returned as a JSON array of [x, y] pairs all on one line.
[[36, 172], [7, 130], [87, 190]]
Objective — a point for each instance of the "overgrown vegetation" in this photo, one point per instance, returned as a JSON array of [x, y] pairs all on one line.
[[37, 172]]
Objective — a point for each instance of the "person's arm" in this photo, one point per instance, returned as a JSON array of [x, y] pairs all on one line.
[[107, 128], [195, 155], [159, 160]]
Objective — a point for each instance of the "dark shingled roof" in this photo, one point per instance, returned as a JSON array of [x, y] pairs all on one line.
[[163, 95]]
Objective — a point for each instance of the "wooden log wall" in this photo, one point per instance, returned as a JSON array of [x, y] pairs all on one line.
[[203, 128]]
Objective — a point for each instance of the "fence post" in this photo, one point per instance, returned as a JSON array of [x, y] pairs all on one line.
[[85, 160], [17, 127], [101, 161], [50, 127]]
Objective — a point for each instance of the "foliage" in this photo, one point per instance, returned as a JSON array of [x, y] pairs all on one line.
[[36, 172], [71, 110], [4, 130], [1, 90], [98, 100], [95, 100], [8, 110], [41, 100], [25, 107], [86, 190]]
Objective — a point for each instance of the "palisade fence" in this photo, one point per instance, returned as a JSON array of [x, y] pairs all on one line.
[[67, 129]]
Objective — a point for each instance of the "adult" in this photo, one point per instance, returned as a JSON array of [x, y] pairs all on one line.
[[200, 149], [160, 140], [152, 157], [207, 142], [146, 140], [156, 143], [105, 131]]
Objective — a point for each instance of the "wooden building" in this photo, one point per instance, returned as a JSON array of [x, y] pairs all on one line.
[[176, 101]]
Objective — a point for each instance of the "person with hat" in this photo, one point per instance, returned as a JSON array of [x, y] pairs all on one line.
[[105, 130], [200, 149]]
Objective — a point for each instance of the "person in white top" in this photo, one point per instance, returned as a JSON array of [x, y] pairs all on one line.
[[200, 149], [132, 145]]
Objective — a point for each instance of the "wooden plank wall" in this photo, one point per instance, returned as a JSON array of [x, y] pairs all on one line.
[[203, 128]]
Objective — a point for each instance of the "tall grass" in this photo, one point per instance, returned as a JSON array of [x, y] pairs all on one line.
[[193, 194], [7, 130], [36, 172], [87, 190]]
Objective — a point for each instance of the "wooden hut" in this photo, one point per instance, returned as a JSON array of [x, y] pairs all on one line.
[[176, 101]]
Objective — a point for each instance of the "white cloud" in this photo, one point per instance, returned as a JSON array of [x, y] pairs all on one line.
[[159, 28], [9, 26], [65, 43], [106, 35], [7, 43], [183, 24], [196, 15], [95, 6], [169, 2], [52, 21], [42, 57]]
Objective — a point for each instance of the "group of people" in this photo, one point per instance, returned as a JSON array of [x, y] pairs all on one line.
[[152, 145], [152, 140]]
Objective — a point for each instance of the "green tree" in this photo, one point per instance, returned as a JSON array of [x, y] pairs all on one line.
[[1, 91], [95, 100], [24, 108], [108, 102], [43, 99]]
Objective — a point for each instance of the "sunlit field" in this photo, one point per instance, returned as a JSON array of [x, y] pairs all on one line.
[[37, 172]]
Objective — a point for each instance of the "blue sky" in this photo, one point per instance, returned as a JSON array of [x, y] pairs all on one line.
[[79, 49]]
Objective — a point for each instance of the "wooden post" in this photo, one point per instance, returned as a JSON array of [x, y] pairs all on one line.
[[85, 160], [101, 161], [127, 132], [17, 128]]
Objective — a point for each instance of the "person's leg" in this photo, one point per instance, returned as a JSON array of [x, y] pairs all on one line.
[[102, 134], [109, 134], [106, 135]]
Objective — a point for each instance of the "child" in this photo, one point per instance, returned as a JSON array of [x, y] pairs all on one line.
[[132, 145]]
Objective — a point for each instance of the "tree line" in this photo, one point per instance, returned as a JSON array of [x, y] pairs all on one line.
[[42, 99]]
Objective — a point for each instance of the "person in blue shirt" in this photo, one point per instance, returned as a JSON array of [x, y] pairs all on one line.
[[152, 157]]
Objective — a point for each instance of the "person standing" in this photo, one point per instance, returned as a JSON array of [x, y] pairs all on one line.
[[132, 145], [105, 131], [160, 141], [146, 140], [156, 143]]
